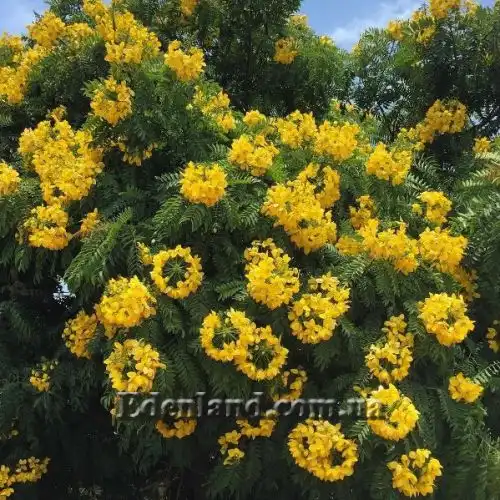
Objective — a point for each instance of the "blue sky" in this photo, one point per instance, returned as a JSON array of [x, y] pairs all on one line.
[[342, 20]]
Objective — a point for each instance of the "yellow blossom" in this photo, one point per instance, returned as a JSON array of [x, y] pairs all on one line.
[[464, 389]]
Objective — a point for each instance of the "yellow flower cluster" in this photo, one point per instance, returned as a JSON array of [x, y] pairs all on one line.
[[397, 414], [183, 273], [299, 20], [89, 222], [326, 40], [139, 361], [395, 30], [253, 118], [127, 41], [188, 7], [271, 280], [296, 208], [125, 304], [316, 445], [313, 318], [263, 355], [346, 245], [27, 470], [441, 249], [203, 183], [464, 389], [296, 129], [47, 227], [187, 66], [468, 281], [216, 107], [180, 428], [392, 245], [482, 145], [391, 362], [229, 446], [326, 181], [389, 165], [285, 51], [293, 381], [78, 332], [255, 155], [414, 474], [336, 141], [264, 428], [441, 118], [446, 317], [64, 160], [14, 79], [135, 156], [113, 101], [40, 377], [9, 179], [360, 216], [494, 337], [47, 30], [225, 338], [438, 206], [440, 8]]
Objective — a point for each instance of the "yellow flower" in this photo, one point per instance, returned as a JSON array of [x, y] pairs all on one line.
[[414, 474], [139, 360], [438, 206], [89, 222], [47, 227], [296, 208], [184, 274], [296, 129], [40, 376], [316, 445], [482, 145], [293, 381], [398, 416], [359, 217], [391, 361], [255, 155], [391, 245], [441, 118], [253, 118], [188, 7], [326, 181], [63, 158], [264, 428], [203, 183], [112, 102], [46, 31], [395, 30], [125, 304], [387, 165], [285, 51], [494, 337], [180, 428], [313, 318], [126, 40], [441, 8], [464, 389], [9, 179], [225, 338], [187, 66], [444, 251], [337, 141], [262, 349], [78, 332], [445, 316], [271, 280]]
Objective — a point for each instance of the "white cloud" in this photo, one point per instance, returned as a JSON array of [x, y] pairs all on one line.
[[346, 36]]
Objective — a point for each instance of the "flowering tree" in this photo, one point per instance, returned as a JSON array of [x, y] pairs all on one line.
[[160, 234]]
